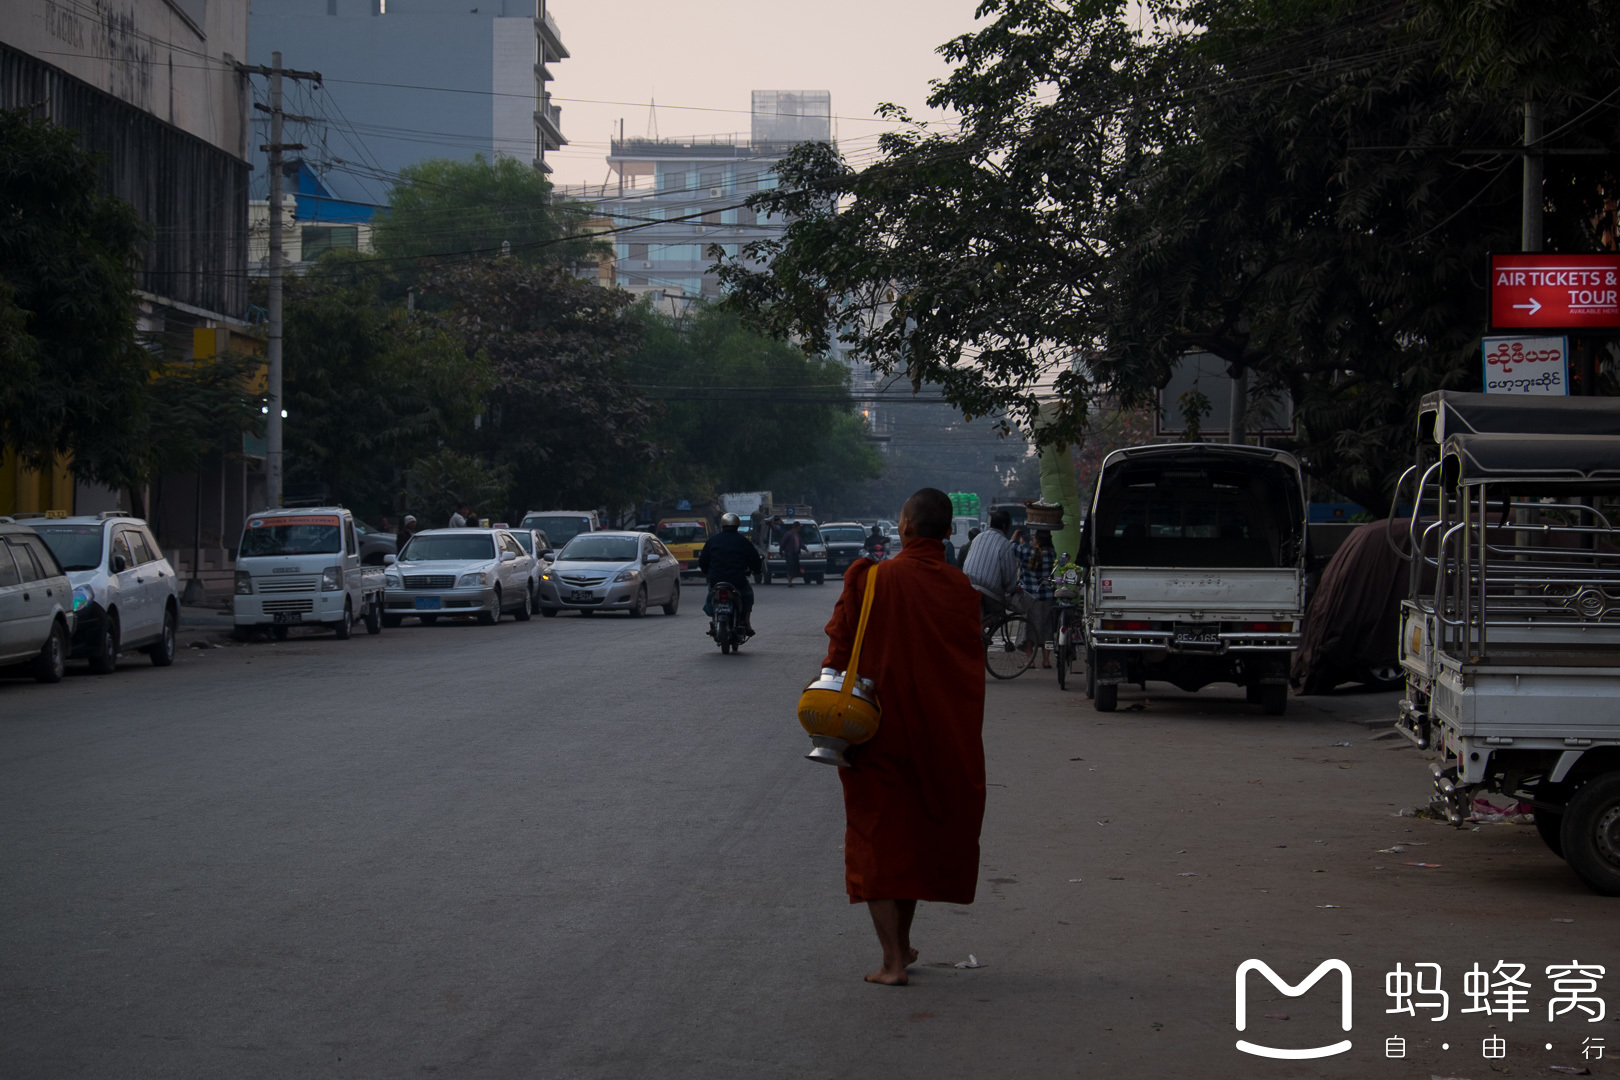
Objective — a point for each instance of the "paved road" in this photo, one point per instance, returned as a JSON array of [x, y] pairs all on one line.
[[590, 848]]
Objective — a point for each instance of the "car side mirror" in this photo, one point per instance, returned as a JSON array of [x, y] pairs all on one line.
[[652, 556], [390, 560], [507, 556], [119, 565]]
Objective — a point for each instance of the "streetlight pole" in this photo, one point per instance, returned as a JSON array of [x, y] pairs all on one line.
[[273, 428]]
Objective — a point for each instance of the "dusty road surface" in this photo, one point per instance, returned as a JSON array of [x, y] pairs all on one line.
[[591, 848]]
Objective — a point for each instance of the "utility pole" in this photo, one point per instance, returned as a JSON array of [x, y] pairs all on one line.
[[1530, 220], [1239, 405], [275, 148]]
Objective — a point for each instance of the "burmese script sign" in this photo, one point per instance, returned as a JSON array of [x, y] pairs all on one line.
[[1555, 292], [1527, 365]]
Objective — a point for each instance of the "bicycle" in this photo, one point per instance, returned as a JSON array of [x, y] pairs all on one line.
[[1067, 633], [1005, 634]]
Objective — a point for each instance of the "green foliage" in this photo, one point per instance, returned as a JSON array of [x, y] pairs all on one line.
[[559, 411], [828, 477], [73, 378], [1283, 183], [369, 390], [197, 409], [738, 410], [446, 207], [440, 481]]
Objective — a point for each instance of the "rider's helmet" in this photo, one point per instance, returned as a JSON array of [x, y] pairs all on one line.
[[729, 520]]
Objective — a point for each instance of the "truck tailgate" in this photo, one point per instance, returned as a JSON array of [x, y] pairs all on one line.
[[1198, 593]]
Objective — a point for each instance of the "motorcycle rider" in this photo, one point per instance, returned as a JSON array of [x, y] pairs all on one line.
[[729, 556]]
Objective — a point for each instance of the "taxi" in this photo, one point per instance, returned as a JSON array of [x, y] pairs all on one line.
[[685, 536]]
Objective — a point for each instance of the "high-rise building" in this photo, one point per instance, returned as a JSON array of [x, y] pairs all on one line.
[[686, 193], [409, 80]]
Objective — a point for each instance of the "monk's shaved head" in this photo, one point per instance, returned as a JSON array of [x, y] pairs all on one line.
[[930, 513]]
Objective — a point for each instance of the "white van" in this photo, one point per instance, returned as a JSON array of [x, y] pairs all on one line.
[[301, 566]]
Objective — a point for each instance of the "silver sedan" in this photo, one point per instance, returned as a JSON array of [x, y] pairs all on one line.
[[449, 572], [611, 571]]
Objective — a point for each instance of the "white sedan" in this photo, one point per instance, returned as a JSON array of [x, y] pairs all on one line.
[[449, 572]]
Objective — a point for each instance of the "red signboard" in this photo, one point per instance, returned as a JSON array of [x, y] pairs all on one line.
[[1555, 292]]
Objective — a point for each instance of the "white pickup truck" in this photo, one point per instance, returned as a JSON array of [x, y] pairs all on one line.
[[297, 567], [1195, 570]]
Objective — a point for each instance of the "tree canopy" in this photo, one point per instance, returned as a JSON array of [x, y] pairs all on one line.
[[1307, 189]]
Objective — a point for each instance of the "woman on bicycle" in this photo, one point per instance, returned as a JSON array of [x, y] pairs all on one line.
[[1036, 559]]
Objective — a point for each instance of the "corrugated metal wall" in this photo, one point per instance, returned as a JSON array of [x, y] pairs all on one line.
[[193, 194]]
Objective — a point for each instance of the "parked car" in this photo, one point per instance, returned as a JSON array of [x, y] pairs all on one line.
[[374, 544], [459, 572], [36, 604], [302, 566], [534, 543], [812, 560], [126, 595], [562, 525], [846, 542], [612, 571]]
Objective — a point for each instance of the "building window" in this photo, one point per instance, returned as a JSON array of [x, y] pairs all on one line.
[[712, 178], [638, 251], [711, 217], [319, 239]]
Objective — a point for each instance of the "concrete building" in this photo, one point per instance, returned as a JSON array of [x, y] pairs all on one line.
[[688, 194], [408, 80], [153, 86]]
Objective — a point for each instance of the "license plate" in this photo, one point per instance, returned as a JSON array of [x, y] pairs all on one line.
[[1198, 635], [722, 609], [283, 617], [428, 603], [579, 595]]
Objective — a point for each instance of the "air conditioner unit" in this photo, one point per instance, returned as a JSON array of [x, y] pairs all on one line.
[[715, 193], [646, 266]]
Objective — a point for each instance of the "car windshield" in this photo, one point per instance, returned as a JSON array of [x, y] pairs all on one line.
[[682, 532], [290, 536], [454, 547], [560, 527], [843, 534], [590, 548], [76, 547]]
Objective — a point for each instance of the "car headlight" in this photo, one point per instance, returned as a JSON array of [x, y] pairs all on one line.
[[244, 583], [471, 581], [332, 579], [626, 574], [83, 596], [392, 581]]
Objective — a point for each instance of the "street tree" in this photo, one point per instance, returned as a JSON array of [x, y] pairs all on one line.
[[1305, 189]]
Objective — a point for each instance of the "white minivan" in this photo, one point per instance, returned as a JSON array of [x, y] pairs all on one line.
[[298, 567]]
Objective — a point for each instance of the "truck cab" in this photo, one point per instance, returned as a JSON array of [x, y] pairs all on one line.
[[302, 566], [1195, 570]]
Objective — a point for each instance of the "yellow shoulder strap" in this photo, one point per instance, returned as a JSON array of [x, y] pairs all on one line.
[[860, 631]]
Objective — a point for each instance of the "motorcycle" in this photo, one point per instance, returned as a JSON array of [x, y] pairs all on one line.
[[727, 627]]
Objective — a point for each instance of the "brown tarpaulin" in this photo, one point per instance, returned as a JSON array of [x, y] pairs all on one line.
[[1353, 621]]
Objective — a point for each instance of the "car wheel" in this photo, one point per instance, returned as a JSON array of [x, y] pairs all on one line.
[[374, 617], [427, 620], [241, 633], [1550, 827], [490, 618], [1274, 698], [104, 658], [1251, 693], [639, 608], [526, 612], [279, 633], [549, 612], [1091, 674], [345, 626], [674, 604], [1591, 834], [52, 659], [1386, 676], [1107, 697], [393, 622], [162, 653]]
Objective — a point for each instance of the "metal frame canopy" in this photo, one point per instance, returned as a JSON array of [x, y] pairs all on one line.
[[1590, 460], [1444, 413], [1572, 293]]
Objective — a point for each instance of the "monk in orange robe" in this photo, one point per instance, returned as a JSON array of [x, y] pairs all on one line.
[[914, 800]]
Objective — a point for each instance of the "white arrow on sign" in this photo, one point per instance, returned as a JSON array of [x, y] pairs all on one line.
[[1532, 307]]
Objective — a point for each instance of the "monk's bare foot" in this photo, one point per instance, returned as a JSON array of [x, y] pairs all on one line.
[[885, 977]]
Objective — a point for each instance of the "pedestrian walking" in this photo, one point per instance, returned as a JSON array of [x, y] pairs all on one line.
[[407, 529], [462, 516], [914, 802], [967, 547], [792, 545], [1037, 558]]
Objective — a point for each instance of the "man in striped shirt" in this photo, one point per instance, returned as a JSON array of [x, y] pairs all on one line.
[[993, 567]]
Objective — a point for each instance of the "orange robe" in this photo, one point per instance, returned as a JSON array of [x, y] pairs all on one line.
[[914, 801]]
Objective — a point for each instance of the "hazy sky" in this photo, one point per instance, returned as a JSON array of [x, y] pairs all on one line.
[[706, 55]]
